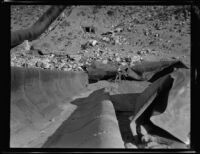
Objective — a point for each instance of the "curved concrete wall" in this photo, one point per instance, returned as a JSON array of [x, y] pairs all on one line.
[[39, 95], [92, 125], [45, 112]]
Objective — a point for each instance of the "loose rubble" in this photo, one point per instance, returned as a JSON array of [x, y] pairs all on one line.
[[74, 62]]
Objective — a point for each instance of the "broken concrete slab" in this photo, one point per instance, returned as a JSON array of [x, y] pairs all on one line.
[[176, 117], [45, 99], [92, 125], [166, 102]]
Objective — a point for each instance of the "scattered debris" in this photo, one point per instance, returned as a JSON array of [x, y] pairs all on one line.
[[35, 58], [143, 52]]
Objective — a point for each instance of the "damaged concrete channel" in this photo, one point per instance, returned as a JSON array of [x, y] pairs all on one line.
[[88, 94], [56, 109], [42, 98]]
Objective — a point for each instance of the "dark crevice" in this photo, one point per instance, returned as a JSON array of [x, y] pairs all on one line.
[[166, 71], [124, 126], [89, 29]]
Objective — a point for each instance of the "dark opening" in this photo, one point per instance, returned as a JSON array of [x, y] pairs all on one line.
[[89, 29]]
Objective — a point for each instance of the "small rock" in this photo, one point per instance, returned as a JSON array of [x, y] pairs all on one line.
[[133, 127], [105, 61], [85, 46], [79, 68], [32, 62], [69, 65], [93, 42], [50, 28], [76, 57], [110, 58], [148, 138], [38, 64], [12, 63], [51, 55], [151, 144], [135, 59], [35, 52], [46, 65], [124, 64], [67, 69], [142, 52], [155, 145], [52, 120], [117, 30], [116, 54], [106, 39], [127, 59], [61, 65], [101, 51], [130, 146], [43, 64], [117, 40], [27, 45], [143, 131], [62, 15], [175, 58], [124, 39], [80, 64], [118, 59], [74, 66]]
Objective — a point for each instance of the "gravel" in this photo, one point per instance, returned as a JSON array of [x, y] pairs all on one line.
[[71, 62]]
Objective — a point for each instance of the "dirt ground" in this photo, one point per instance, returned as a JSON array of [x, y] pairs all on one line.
[[152, 32], [142, 33]]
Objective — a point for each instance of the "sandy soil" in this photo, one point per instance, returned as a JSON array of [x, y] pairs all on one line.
[[162, 32]]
